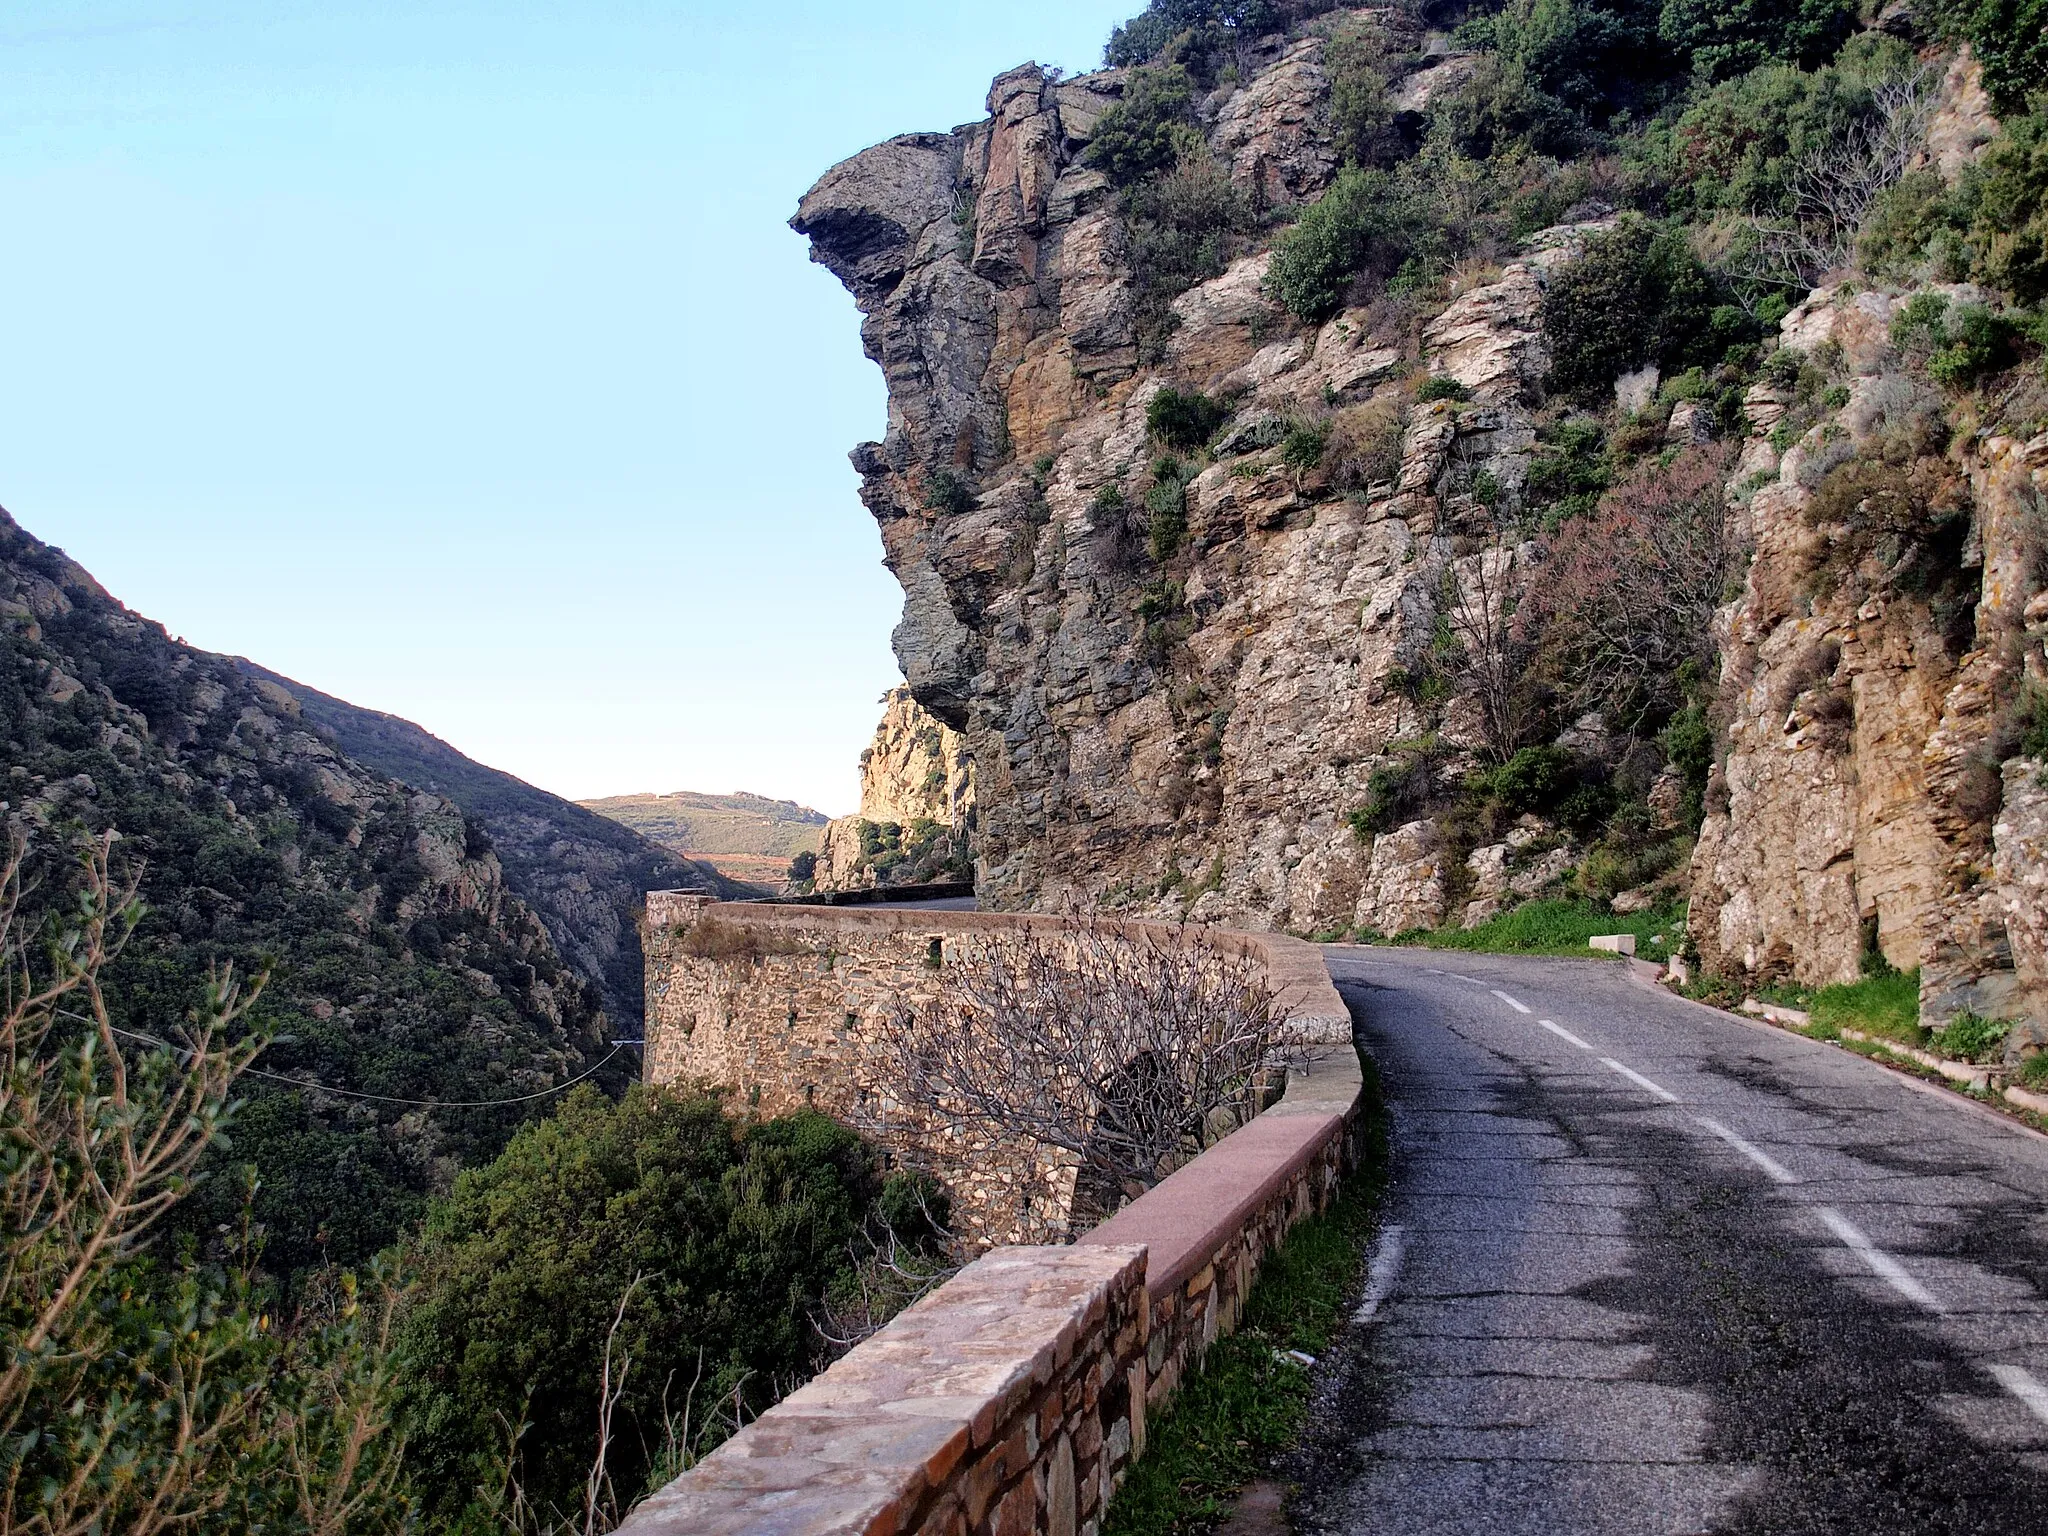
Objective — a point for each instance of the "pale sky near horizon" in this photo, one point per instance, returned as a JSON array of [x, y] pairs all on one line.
[[456, 359]]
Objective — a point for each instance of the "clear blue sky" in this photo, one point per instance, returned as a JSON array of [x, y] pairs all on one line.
[[455, 359]]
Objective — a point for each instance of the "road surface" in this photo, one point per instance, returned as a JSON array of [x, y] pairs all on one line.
[[1645, 1268]]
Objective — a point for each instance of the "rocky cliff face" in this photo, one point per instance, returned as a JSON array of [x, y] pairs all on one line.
[[1873, 668], [1185, 736], [915, 773], [1190, 728]]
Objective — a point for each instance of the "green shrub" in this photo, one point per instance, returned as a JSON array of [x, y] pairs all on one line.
[[735, 1230], [1361, 121], [1185, 226], [1184, 420], [1959, 345], [1136, 138], [1971, 1037], [1304, 445], [2033, 737], [945, 492], [1534, 779], [1568, 471], [1198, 27], [1166, 508], [1441, 386], [1726, 37], [1637, 295], [1365, 224], [1591, 59], [2011, 37]]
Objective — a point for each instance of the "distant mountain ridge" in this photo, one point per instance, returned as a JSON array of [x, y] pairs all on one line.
[[583, 873]]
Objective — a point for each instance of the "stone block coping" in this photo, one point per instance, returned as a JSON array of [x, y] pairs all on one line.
[[1191, 1213]]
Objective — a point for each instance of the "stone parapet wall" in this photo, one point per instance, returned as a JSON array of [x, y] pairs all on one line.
[[1012, 1400], [789, 1007]]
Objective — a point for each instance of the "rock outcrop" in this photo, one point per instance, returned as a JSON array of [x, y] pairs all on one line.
[[915, 777], [1194, 724], [1185, 738], [1871, 678]]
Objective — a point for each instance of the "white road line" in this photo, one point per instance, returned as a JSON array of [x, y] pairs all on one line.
[[1564, 1034], [1518, 1007], [2020, 1382], [1386, 1264], [1762, 1159], [1639, 1080], [1882, 1264], [1459, 976]]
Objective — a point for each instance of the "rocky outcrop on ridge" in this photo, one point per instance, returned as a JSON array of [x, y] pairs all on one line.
[[1193, 731], [1187, 739], [914, 776]]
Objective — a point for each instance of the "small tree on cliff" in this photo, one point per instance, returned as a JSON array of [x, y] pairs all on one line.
[[1121, 1057]]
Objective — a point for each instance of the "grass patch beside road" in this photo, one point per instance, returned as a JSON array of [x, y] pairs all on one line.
[[1886, 1005], [1247, 1404], [1556, 927]]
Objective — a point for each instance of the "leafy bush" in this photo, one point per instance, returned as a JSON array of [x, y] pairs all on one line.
[[1590, 59], [1441, 386], [1568, 471], [1185, 226], [1637, 295], [1305, 444], [1365, 224], [1500, 114], [734, 1231], [1534, 779], [1136, 138], [946, 493], [2011, 37], [1204, 24], [1361, 121], [1727, 37], [803, 867], [1184, 420], [1166, 508]]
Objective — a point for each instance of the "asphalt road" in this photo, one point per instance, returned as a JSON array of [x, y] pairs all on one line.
[[1645, 1268]]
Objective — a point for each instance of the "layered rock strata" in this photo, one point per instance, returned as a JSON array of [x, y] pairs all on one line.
[[1186, 736]]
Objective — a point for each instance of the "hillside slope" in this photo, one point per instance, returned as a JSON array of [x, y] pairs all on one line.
[[401, 966], [746, 837], [584, 875]]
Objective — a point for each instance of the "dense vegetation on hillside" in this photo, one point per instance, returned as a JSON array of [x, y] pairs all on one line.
[[399, 966]]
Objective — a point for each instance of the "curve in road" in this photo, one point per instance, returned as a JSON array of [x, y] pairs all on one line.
[[1645, 1267]]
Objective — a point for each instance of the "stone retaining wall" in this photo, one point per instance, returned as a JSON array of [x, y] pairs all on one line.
[[789, 1007], [1012, 1400]]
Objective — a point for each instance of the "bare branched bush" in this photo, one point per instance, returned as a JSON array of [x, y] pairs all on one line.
[[1626, 596], [141, 1396], [1835, 188], [1479, 600], [1120, 1057]]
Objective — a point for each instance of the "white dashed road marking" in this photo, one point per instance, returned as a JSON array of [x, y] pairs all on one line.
[[1639, 1080], [1564, 1034], [1882, 1264], [1386, 1264], [1518, 1007], [1762, 1159], [2020, 1382]]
